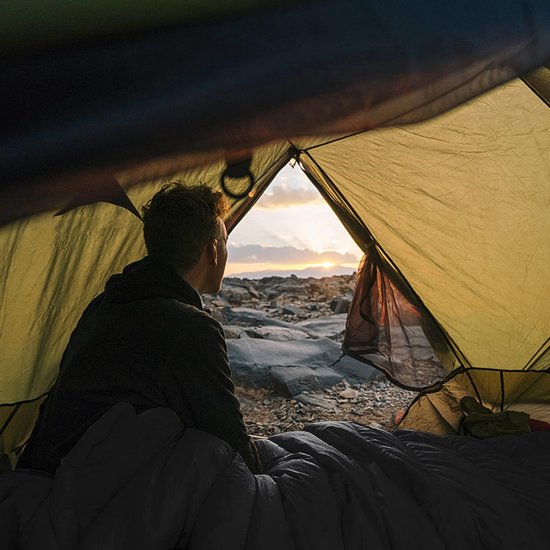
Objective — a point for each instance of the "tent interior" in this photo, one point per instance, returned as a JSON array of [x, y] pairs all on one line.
[[452, 297], [451, 211]]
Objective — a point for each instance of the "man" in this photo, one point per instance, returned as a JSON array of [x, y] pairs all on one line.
[[147, 340]]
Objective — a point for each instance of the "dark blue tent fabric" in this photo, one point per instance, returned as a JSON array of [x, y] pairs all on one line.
[[69, 113], [144, 481]]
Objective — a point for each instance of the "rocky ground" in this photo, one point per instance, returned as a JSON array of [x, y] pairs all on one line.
[[274, 315], [377, 404]]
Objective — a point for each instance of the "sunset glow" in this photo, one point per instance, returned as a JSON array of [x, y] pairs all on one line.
[[291, 229]]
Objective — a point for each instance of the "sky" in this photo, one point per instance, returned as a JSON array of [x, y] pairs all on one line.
[[291, 229]]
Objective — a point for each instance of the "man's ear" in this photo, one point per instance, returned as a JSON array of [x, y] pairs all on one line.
[[212, 248]]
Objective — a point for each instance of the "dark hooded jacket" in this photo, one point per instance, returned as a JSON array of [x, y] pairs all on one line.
[[146, 341]]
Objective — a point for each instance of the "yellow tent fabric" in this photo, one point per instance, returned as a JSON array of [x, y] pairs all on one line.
[[54, 265], [440, 413], [460, 204]]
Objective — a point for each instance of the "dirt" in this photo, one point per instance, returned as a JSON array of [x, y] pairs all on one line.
[[377, 404]]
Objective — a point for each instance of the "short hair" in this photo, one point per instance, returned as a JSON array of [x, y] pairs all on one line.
[[179, 221]]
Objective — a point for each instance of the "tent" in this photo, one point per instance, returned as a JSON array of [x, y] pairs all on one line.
[[105, 103]]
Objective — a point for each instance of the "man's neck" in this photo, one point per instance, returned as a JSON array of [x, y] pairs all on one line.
[[192, 278]]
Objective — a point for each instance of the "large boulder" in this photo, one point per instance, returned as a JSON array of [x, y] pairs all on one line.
[[246, 316], [276, 334], [289, 367], [296, 380], [332, 326], [294, 366], [233, 331]]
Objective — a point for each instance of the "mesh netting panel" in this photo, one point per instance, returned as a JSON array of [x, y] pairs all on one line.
[[389, 328]]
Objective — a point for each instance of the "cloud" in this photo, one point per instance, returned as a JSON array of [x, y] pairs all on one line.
[[283, 255], [283, 196]]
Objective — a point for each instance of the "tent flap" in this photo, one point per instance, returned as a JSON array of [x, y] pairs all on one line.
[[387, 326]]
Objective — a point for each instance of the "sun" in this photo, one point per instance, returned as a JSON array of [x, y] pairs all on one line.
[[327, 265]]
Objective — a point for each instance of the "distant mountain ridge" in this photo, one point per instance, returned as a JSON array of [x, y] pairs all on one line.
[[286, 255], [316, 272]]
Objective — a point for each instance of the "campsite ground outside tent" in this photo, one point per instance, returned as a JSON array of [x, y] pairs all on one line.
[[377, 404], [299, 311]]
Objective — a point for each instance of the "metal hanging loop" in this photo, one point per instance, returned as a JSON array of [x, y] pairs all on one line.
[[238, 170]]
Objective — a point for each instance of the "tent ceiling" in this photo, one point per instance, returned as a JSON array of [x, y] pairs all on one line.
[[39, 23], [73, 115]]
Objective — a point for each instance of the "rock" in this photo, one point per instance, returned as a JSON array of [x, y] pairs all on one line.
[[216, 302], [293, 287], [233, 331], [234, 294], [356, 372], [218, 315], [341, 305], [270, 281], [253, 292], [282, 335], [296, 379], [277, 334], [315, 400], [287, 310], [250, 317], [297, 365], [332, 326], [349, 393]]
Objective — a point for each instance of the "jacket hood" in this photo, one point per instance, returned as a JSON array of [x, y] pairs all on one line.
[[148, 278]]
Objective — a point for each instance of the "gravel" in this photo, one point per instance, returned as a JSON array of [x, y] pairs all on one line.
[[376, 404]]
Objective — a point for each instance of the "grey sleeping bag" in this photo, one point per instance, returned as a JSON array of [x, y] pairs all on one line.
[[144, 481]]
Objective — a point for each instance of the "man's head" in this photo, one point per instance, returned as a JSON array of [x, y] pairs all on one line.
[[183, 227]]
